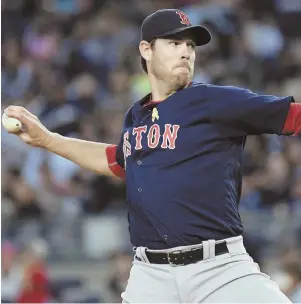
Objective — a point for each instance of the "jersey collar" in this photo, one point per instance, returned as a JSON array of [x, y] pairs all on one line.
[[146, 100]]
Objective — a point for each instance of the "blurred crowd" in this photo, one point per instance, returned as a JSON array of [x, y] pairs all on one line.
[[75, 64]]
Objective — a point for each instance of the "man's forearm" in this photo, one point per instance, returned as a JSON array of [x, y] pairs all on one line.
[[87, 154]]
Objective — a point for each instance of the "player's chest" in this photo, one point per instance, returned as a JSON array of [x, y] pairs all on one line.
[[152, 129], [161, 135]]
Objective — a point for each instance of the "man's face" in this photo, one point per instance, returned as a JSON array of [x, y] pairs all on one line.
[[172, 60]]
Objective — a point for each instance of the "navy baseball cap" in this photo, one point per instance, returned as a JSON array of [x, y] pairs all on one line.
[[166, 22]]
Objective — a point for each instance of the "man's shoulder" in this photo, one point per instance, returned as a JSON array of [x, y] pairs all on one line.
[[218, 89]]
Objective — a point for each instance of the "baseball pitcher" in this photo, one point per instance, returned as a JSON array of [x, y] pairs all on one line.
[[180, 154]]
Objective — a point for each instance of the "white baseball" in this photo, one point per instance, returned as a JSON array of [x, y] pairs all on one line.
[[11, 124]]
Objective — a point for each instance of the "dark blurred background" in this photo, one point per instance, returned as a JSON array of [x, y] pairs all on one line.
[[75, 64]]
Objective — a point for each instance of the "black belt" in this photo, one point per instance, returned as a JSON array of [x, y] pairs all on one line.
[[177, 257]]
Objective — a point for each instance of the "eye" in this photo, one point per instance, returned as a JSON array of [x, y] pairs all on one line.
[[191, 45], [175, 43]]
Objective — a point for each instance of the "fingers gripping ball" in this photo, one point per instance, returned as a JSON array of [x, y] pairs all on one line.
[[11, 124]]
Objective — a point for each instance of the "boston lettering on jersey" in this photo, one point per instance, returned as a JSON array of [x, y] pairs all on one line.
[[153, 135], [183, 159]]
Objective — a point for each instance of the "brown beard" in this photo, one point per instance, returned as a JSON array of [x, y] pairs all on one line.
[[178, 82]]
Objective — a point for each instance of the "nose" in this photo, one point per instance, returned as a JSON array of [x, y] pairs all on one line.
[[185, 53]]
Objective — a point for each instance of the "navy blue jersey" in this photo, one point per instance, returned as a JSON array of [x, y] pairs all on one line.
[[183, 161]]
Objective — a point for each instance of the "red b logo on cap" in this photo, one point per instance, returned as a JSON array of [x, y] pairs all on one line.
[[184, 18]]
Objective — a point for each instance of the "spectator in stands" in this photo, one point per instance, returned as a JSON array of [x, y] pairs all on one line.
[[35, 283]]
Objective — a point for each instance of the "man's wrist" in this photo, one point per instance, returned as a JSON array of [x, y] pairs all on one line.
[[52, 141]]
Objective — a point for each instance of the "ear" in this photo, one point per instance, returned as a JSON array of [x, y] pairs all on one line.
[[145, 50]]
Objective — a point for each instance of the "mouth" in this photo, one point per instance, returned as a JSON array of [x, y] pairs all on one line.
[[184, 68]]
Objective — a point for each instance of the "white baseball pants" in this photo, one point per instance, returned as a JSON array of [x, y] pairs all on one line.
[[228, 278]]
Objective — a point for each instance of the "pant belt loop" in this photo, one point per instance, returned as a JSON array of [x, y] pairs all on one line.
[[211, 244], [236, 245], [206, 250], [140, 251]]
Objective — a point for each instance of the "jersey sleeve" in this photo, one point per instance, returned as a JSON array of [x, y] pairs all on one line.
[[119, 153], [248, 113]]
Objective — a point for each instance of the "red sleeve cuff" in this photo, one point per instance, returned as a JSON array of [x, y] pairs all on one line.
[[293, 120], [112, 163]]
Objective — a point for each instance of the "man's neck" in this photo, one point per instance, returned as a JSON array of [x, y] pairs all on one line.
[[159, 90]]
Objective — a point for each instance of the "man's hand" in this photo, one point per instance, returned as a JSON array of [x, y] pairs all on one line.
[[33, 132]]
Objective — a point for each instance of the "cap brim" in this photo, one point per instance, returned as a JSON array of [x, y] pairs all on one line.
[[199, 34]]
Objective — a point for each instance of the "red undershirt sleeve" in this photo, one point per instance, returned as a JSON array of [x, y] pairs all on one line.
[[293, 121], [112, 162]]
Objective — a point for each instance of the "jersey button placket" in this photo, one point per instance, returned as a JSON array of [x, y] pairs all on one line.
[[139, 162]]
